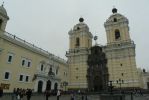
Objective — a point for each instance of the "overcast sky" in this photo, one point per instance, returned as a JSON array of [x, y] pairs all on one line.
[[46, 23]]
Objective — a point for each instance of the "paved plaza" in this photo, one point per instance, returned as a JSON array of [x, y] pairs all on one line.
[[67, 97]]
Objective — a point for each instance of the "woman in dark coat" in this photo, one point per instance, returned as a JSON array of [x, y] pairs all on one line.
[[28, 94]]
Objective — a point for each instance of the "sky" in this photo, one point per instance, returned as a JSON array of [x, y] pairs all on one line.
[[45, 23]]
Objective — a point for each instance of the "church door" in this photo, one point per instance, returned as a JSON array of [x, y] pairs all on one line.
[[40, 85], [48, 87]]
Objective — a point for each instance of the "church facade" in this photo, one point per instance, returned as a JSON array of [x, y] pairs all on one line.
[[24, 65], [120, 53]]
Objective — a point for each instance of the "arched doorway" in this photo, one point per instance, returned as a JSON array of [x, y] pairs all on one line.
[[40, 85], [55, 86], [97, 83], [48, 87]]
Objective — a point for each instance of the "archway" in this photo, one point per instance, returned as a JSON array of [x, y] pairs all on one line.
[[40, 85], [117, 34], [48, 87], [55, 86]]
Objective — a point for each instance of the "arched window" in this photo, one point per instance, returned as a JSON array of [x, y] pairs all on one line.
[[117, 34], [115, 19], [77, 41], [55, 86]]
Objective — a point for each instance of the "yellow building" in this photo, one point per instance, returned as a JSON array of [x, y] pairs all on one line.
[[24, 65], [120, 51]]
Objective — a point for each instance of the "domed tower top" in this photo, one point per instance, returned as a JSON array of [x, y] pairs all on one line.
[[3, 11], [117, 28], [3, 17], [114, 10], [80, 35], [81, 19]]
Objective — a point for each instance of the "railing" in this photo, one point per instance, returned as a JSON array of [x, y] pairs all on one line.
[[35, 47]]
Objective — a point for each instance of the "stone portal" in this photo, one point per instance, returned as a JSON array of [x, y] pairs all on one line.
[[97, 72]]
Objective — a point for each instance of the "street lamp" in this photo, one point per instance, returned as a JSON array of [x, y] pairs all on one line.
[[65, 84], [111, 87], [120, 82]]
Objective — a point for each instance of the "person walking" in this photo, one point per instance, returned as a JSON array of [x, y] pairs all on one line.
[[58, 94], [1, 92], [28, 94], [14, 94], [47, 93], [72, 96]]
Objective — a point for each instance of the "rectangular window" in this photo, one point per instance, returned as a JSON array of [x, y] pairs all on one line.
[[21, 78], [23, 62], [29, 64], [7, 75], [10, 58], [27, 78], [41, 67]]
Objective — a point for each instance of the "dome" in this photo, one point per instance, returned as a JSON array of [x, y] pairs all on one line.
[[116, 18], [3, 10], [81, 25], [114, 10]]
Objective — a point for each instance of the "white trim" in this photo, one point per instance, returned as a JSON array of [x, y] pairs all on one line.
[[8, 55], [8, 77], [26, 61], [24, 78]]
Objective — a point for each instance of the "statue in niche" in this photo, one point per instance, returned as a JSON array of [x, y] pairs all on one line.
[[50, 73]]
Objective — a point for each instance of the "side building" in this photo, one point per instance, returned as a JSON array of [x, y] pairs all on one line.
[[24, 65]]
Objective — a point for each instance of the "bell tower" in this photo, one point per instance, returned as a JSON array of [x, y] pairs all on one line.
[[117, 28], [120, 51], [80, 40]]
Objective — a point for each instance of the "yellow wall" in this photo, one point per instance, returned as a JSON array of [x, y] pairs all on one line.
[[15, 67]]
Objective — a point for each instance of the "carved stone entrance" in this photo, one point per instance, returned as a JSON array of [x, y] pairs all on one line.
[[97, 72]]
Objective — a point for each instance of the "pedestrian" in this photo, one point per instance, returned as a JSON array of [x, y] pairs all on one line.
[[14, 94], [72, 96], [140, 91], [21, 94], [1, 92], [58, 94], [18, 94], [28, 94], [47, 93]]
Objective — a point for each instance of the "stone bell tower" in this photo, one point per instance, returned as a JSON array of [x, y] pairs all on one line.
[[120, 51], [80, 40]]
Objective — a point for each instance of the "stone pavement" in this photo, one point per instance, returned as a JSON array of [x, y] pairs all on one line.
[[67, 97]]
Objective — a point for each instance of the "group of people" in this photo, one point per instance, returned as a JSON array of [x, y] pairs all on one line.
[[82, 95], [49, 92], [19, 93]]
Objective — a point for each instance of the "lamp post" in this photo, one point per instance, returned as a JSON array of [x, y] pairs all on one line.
[[120, 82], [65, 84], [111, 87]]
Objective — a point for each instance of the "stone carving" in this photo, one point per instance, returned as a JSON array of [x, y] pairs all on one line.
[[97, 72]]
